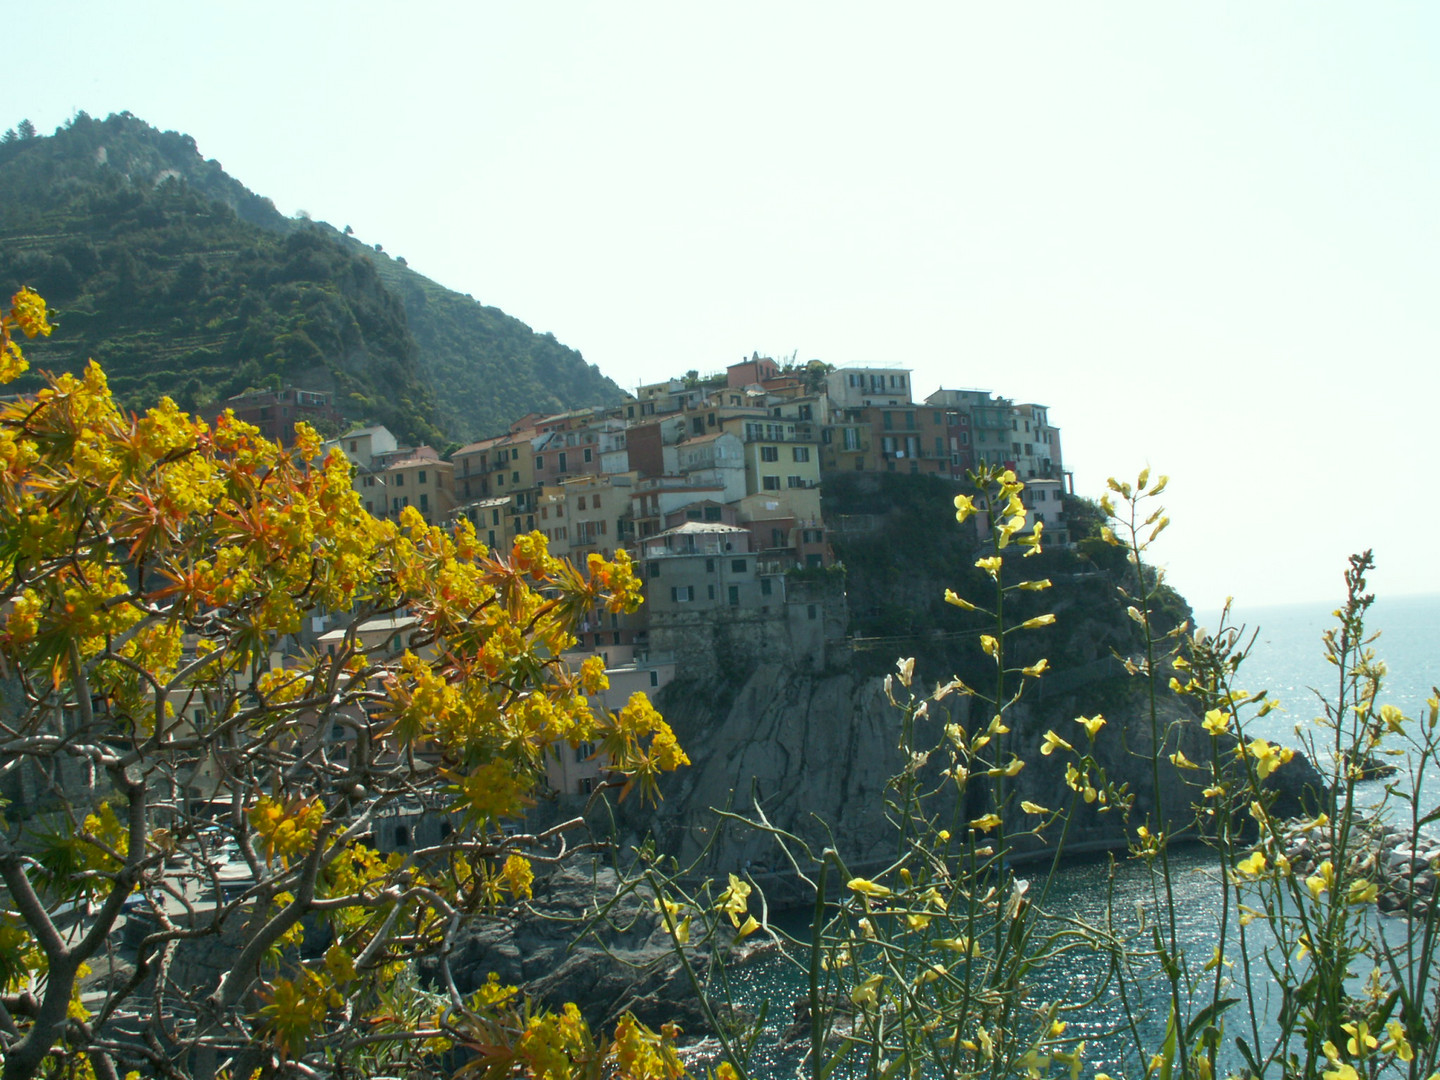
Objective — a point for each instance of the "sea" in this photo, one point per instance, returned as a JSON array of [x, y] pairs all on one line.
[[1287, 660]]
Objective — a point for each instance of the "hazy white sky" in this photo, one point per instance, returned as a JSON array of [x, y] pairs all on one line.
[[1205, 235]]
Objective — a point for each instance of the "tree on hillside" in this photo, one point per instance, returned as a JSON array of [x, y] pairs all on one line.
[[179, 768]]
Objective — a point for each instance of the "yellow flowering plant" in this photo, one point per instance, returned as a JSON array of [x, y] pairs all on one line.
[[154, 571]]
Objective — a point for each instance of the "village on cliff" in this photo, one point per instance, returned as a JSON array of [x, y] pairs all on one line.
[[713, 487]]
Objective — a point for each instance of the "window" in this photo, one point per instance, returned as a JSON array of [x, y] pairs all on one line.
[[889, 419], [712, 513], [424, 502], [422, 477], [399, 479], [582, 502], [800, 453], [540, 463], [514, 477], [810, 611], [654, 678], [734, 596], [766, 586], [595, 502], [770, 483], [562, 460], [852, 438], [737, 566], [587, 456], [710, 592], [654, 569], [682, 594], [709, 566], [795, 481], [769, 453]]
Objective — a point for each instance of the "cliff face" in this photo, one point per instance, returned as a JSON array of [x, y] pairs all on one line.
[[806, 737], [815, 753]]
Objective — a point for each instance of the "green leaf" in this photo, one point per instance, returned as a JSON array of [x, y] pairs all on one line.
[[1205, 1015]]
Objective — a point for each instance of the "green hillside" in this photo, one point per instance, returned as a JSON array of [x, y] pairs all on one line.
[[184, 282]]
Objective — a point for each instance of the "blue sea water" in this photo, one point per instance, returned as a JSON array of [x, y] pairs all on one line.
[[1287, 661]]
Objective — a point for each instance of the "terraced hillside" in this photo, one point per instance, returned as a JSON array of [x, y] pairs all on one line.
[[186, 283]]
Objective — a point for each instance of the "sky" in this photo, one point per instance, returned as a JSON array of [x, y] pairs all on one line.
[[1206, 236]]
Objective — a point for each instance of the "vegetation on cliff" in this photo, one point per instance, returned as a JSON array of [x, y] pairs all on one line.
[[191, 286]]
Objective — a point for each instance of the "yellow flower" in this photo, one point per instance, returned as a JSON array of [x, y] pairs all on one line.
[[868, 992], [1052, 741], [986, 823], [1180, 761], [1091, 724], [1036, 669], [1253, 866], [1268, 758], [964, 605], [1362, 892], [1393, 718], [1034, 808], [1397, 1043], [989, 644], [1360, 1041], [866, 887], [1216, 722], [1038, 620], [990, 565], [964, 507], [1323, 880], [734, 900], [28, 308]]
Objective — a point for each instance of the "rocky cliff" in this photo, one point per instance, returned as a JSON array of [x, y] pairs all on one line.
[[813, 748], [814, 754]]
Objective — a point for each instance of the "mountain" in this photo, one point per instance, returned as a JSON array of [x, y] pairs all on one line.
[[184, 282]]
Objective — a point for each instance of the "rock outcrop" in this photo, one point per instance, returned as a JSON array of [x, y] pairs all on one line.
[[815, 754], [587, 938]]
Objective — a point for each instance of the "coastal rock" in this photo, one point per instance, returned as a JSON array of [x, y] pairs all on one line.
[[1404, 866], [814, 754], [623, 961]]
